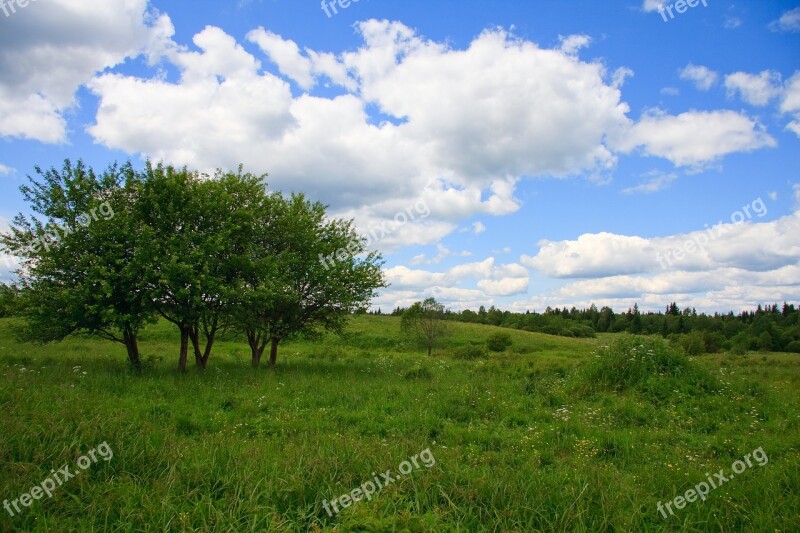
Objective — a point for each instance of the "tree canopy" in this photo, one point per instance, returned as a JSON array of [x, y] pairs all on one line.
[[106, 254]]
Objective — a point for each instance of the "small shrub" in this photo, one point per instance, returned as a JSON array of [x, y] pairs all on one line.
[[693, 343], [499, 342], [470, 352]]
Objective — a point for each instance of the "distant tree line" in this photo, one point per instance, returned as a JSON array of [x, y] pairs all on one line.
[[206, 253], [768, 328]]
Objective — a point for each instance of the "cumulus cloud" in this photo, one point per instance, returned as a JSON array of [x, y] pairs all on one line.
[[57, 46], [456, 140], [489, 280], [702, 77], [790, 102], [755, 89], [675, 137], [740, 243], [729, 265]]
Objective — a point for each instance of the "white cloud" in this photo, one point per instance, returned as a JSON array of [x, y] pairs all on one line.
[[478, 228], [465, 134], [654, 182], [55, 47], [404, 277], [789, 21], [648, 6], [302, 69], [490, 281], [675, 137], [286, 55], [755, 89], [702, 77], [728, 266], [753, 246], [573, 43], [790, 102], [620, 75], [443, 253], [6, 170], [731, 23], [504, 287]]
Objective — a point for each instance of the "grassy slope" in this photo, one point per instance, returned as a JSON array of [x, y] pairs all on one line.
[[516, 448]]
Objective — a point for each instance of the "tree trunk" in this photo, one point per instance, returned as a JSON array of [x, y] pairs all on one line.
[[273, 352], [184, 348], [429, 350], [257, 345], [133, 348], [201, 360]]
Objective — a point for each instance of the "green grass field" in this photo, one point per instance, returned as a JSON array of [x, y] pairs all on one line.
[[552, 435]]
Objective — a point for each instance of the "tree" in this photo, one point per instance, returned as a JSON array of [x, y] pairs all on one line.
[[308, 274], [198, 231], [81, 271], [9, 300], [425, 322]]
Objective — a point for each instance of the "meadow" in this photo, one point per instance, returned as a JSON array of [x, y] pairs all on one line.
[[554, 434]]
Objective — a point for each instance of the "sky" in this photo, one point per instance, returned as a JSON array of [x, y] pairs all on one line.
[[516, 154]]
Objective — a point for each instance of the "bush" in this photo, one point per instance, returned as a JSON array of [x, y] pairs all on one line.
[[645, 364], [470, 352], [499, 342], [793, 347], [693, 343], [584, 332]]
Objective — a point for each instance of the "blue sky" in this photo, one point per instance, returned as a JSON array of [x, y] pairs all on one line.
[[517, 154]]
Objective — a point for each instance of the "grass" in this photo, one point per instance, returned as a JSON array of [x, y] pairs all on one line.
[[555, 434]]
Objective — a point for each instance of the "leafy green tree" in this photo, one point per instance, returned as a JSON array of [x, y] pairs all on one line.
[[81, 270], [9, 300], [765, 341], [425, 322], [310, 274], [198, 231]]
